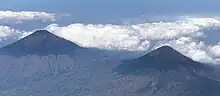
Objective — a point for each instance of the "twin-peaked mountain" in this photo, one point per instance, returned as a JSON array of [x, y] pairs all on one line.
[[42, 64]]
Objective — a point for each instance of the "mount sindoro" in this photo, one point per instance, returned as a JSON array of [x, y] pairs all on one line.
[[43, 64]]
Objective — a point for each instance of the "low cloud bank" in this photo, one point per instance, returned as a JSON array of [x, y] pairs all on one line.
[[184, 35]]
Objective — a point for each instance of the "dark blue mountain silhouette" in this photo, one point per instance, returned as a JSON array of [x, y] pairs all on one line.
[[167, 67], [163, 58], [41, 42]]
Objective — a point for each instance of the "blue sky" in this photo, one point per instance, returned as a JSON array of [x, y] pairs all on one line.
[[108, 10]]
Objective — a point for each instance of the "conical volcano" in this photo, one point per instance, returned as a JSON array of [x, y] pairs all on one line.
[[170, 73], [166, 54], [41, 42], [163, 58]]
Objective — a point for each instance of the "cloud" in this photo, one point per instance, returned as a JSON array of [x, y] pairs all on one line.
[[9, 35], [101, 36], [190, 47], [184, 35], [215, 50], [132, 37], [26, 16]]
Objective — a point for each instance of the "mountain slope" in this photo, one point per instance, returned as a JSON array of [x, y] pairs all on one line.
[[43, 64], [163, 58], [40, 42], [39, 55], [170, 73]]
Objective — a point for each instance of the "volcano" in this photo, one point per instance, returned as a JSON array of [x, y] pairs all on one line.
[[170, 73], [163, 58], [41, 42], [65, 69]]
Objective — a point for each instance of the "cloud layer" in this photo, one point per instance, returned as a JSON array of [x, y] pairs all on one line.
[[184, 35], [26, 15]]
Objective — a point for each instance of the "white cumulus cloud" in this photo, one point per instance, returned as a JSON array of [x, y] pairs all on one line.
[[182, 35], [131, 36], [9, 35], [215, 50], [195, 49], [26, 15]]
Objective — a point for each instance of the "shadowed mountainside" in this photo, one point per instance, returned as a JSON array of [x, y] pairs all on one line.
[[170, 74]]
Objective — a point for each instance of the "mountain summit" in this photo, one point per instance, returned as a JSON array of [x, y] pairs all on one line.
[[41, 42], [169, 73], [163, 58], [166, 54]]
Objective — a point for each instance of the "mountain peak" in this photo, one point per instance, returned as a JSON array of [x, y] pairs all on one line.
[[42, 32], [164, 50], [41, 42], [166, 54], [166, 47], [163, 58]]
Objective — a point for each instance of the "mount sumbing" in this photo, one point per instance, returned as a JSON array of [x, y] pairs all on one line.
[[41, 42], [170, 74], [163, 58]]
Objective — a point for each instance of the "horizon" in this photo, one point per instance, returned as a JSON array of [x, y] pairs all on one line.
[[191, 27], [109, 48]]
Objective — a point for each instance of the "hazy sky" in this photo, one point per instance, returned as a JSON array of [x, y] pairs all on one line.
[[107, 10]]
